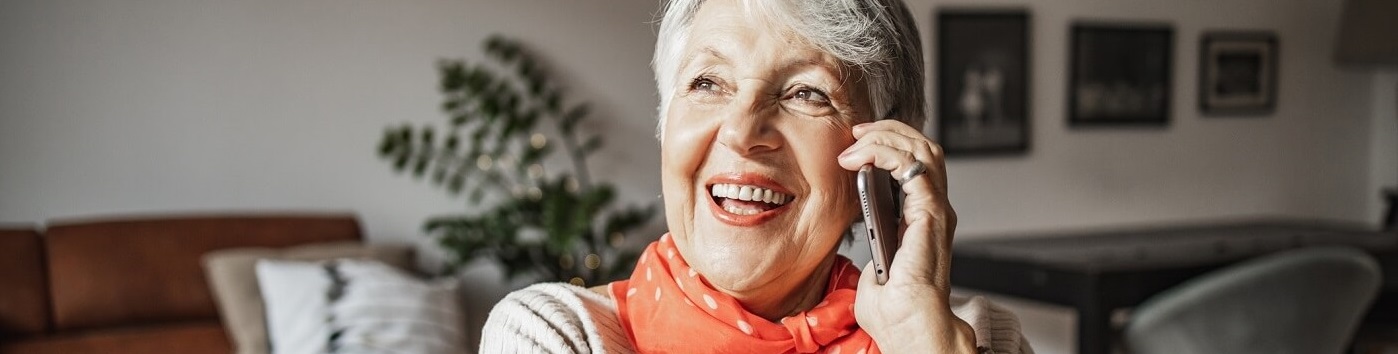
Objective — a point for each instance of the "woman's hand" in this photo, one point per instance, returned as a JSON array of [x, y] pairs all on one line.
[[911, 313]]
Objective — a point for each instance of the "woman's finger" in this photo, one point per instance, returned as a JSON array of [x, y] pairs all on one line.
[[919, 190], [919, 149], [888, 125]]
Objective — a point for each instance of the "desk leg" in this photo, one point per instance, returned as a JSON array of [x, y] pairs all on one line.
[[1094, 329]]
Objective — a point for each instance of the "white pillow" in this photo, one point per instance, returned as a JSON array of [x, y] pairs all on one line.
[[359, 306], [386, 310], [294, 295]]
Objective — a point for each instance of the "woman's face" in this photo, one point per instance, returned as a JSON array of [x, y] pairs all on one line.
[[757, 113]]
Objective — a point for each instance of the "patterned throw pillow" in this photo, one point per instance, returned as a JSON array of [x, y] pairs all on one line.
[[232, 278], [358, 306]]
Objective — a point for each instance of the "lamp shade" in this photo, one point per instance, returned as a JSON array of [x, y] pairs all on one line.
[[1368, 33]]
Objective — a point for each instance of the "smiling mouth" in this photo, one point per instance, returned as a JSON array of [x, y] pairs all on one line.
[[747, 200]]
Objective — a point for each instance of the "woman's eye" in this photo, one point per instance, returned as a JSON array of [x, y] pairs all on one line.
[[812, 96], [809, 101], [703, 84]]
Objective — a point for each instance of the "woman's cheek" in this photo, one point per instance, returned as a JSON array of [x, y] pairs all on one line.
[[838, 183], [688, 139]]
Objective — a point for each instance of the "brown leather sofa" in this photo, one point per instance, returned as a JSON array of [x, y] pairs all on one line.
[[132, 285]]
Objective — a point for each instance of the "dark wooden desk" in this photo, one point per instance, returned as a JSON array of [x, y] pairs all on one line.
[[1097, 273]]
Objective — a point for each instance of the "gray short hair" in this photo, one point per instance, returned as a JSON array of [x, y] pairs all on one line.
[[878, 38]]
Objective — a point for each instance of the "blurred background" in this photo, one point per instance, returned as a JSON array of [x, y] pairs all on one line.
[[155, 106]]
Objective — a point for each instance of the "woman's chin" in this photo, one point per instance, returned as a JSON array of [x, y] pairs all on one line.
[[740, 259], [738, 278]]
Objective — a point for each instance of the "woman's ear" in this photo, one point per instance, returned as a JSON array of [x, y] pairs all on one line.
[[854, 229]]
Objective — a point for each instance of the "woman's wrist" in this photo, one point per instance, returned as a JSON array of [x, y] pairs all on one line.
[[920, 335]]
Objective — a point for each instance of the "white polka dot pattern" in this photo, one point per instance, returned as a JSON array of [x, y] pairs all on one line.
[[658, 320]]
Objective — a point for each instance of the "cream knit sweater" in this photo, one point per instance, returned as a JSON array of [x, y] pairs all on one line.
[[562, 318]]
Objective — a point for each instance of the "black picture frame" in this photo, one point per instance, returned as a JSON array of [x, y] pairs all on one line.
[[1120, 74], [1238, 73], [983, 87]]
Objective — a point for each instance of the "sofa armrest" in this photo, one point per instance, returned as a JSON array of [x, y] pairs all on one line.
[[24, 301]]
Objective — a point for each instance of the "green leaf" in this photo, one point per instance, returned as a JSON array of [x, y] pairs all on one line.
[[456, 181], [439, 174], [526, 68], [453, 141], [450, 105], [591, 145], [476, 195], [387, 144], [536, 86], [573, 117], [552, 101], [453, 75]]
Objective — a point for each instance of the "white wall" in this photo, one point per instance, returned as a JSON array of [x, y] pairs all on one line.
[[1383, 139], [158, 105]]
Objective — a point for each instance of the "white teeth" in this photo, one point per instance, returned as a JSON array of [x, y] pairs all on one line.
[[749, 193], [741, 211]]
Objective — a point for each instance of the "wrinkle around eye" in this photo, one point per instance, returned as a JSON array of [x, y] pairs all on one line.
[[704, 89], [810, 101], [810, 109]]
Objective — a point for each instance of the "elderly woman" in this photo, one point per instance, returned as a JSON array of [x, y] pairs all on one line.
[[766, 109]]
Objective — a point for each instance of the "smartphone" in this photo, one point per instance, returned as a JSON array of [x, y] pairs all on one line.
[[879, 202]]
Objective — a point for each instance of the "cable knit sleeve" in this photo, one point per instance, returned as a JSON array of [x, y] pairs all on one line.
[[553, 318], [997, 329]]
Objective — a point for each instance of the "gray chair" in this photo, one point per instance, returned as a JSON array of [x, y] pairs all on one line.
[[1304, 301]]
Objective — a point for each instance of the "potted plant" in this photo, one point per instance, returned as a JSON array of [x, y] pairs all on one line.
[[554, 223]]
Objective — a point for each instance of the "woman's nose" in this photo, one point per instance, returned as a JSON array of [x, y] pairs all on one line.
[[747, 127]]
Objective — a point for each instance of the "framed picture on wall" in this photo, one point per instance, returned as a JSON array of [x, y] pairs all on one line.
[[1120, 74], [982, 81], [1237, 72]]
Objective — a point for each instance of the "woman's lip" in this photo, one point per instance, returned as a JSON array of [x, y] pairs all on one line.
[[751, 179], [743, 220]]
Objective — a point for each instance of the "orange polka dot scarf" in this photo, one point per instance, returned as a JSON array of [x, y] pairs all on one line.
[[666, 307]]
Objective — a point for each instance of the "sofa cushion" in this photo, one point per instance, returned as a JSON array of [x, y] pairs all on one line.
[[23, 295], [383, 307], [132, 271], [196, 337], [359, 306], [233, 279]]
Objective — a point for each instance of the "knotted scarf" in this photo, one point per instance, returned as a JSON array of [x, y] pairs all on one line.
[[666, 307]]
